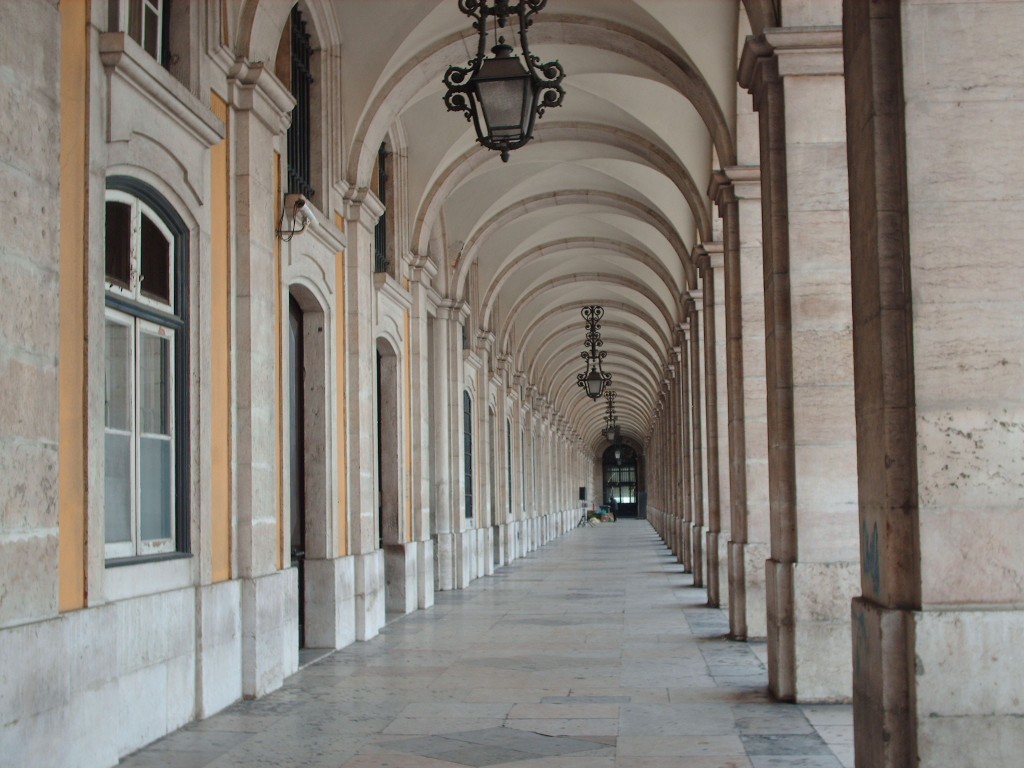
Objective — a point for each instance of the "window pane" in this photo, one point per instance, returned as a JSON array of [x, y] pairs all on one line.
[[154, 384], [155, 266], [152, 34], [155, 487], [119, 243], [118, 385], [117, 487], [135, 20]]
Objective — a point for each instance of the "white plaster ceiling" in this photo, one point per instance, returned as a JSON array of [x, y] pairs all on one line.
[[603, 207]]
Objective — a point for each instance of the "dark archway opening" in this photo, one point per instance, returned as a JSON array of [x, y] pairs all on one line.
[[621, 480]]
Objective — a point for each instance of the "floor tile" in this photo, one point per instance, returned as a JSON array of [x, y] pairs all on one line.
[[593, 652]]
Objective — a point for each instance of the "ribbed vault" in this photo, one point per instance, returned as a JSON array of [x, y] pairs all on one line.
[[604, 207]]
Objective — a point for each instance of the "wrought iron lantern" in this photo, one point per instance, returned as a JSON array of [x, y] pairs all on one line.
[[593, 379], [503, 95], [611, 428]]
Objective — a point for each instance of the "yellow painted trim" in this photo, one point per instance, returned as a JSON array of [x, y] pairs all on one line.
[[279, 367], [74, 238], [220, 351], [407, 364], [342, 399]]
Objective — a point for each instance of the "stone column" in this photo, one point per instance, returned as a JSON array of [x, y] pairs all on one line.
[[460, 548], [683, 384], [796, 77], [671, 436], [443, 492], [696, 441], [737, 192], [419, 345], [269, 588], [485, 512], [933, 107], [501, 464], [710, 263], [362, 210]]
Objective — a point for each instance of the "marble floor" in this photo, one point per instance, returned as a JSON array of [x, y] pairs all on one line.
[[593, 652]]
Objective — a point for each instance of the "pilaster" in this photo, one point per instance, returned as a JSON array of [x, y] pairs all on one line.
[[697, 441], [792, 74], [737, 191], [362, 209]]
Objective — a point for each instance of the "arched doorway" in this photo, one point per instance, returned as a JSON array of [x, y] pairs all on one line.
[[388, 463], [307, 440], [620, 479]]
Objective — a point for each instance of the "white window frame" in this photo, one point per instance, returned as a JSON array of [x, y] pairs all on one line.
[[139, 326], [134, 290], [124, 11]]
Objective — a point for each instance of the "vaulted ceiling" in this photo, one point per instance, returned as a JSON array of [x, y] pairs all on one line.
[[605, 205]]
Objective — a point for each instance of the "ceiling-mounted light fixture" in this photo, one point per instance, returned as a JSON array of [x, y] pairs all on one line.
[[503, 95], [593, 379], [611, 428]]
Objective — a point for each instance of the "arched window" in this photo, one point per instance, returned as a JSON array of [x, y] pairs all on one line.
[[146, 356], [467, 436]]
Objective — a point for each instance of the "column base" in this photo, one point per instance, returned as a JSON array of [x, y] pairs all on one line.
[[219, 647], [425, 582], [369, 594], [444, 560], [685, 548], [697, 554], [939, 685], [270, 630], [714, 571], [330, 602], [401, 577]]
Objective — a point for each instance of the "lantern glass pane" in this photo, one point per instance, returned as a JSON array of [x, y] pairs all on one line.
[[502, 102]]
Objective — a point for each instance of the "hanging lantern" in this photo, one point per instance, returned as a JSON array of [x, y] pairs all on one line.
[[593, 379], [504, 94]]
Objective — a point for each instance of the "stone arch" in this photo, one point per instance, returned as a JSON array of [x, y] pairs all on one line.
[[571, 197], [664, 338], [421, 72], [655, 156], [260, 23], [510, 266], [559, 282]]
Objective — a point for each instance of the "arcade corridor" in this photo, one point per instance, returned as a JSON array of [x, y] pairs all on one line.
[[594, 651], [297, 354]]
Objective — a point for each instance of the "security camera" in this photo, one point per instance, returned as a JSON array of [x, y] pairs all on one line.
[[300, 213]]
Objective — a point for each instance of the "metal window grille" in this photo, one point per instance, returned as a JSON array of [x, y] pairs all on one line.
[[299, 144], [380, 232], [467, 429]]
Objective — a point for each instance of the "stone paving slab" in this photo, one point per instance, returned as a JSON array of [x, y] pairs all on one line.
[[593, 652]]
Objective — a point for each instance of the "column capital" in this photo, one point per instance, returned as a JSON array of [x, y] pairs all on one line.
[[450, 309], [362, 207], [424, 270], [253, 87], [783, 51], [485, 339], [807, 50], [714, 255]]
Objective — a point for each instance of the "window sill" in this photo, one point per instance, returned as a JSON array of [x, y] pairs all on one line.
[[128, 577]]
